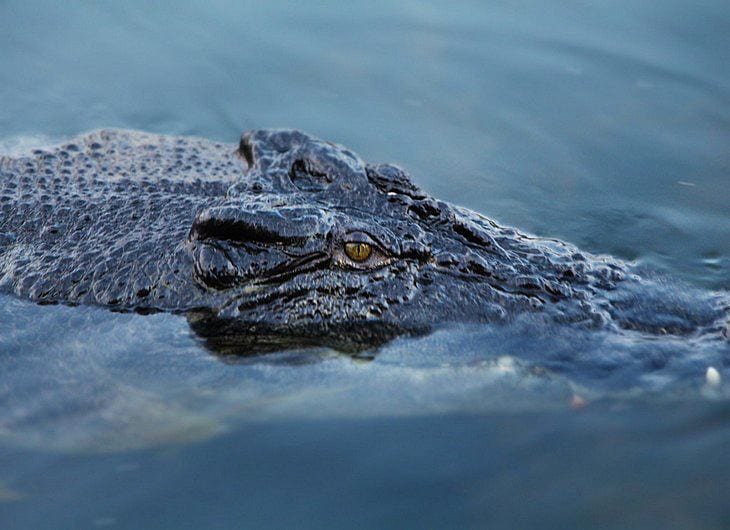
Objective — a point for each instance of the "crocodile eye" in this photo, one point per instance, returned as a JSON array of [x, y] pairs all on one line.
[[358, 251]]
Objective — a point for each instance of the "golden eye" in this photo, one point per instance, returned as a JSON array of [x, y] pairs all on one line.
[[358, 251]]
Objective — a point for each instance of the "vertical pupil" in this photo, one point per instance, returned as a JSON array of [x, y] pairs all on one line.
[[358, 251]]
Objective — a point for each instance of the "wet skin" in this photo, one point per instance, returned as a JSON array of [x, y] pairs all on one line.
[[287, 239]]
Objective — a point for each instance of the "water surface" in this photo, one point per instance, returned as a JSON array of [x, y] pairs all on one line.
[[606, 124]]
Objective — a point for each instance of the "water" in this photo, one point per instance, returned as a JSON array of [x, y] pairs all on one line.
[[606, 124]]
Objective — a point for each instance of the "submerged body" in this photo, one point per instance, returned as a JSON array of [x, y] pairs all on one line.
[[286, 234]]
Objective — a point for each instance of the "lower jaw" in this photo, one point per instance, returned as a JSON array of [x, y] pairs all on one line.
[[236, 337]]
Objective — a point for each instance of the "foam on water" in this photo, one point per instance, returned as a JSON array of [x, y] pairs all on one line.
[[23, 145]]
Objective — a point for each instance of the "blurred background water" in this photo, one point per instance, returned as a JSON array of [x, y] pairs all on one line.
[[606, 124]]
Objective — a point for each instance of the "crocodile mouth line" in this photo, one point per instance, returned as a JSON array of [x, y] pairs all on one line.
[[265, 288], [300, 265]]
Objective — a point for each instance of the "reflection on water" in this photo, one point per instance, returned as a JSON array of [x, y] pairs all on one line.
[[85, 379], [606, 124]]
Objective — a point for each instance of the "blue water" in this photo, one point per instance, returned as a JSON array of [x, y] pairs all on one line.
[[603, 123]]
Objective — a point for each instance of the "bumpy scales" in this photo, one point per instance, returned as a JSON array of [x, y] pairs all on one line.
[[286, 233]]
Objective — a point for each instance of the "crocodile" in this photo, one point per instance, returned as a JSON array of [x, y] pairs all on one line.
[[287, 239]]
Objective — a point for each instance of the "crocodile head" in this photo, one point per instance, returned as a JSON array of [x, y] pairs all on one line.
[[288, 239], [315, 241]]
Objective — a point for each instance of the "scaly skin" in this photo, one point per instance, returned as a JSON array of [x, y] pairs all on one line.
[[249, 240]]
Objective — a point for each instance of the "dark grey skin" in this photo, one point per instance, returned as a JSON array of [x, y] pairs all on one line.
[[249, 242]]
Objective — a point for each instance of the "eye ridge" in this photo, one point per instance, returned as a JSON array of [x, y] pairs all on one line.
[[304, 166]]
